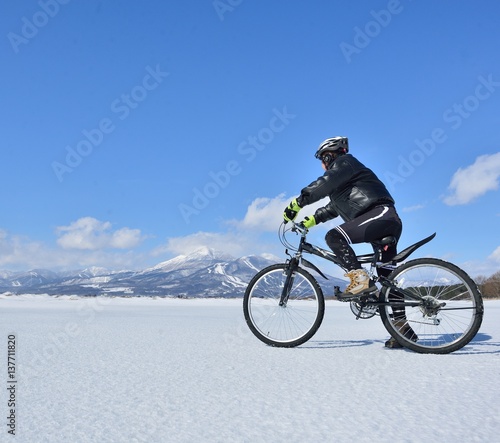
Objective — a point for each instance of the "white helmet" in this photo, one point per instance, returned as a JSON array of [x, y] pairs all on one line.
[[333, 145]]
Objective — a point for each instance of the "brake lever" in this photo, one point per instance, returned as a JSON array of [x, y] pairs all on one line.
[[298, 227]]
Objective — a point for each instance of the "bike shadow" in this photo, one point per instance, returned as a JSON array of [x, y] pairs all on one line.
[[480, 344], [335, 344]]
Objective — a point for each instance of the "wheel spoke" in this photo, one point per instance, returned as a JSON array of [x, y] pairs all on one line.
[[448, 315], [294, 322]]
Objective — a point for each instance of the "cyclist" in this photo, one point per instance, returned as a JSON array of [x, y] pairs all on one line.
[[366, 207]]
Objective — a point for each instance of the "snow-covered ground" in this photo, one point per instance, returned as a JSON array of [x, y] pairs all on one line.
[[144, 370]]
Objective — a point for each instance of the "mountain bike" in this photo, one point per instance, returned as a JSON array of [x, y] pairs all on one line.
[[437, 301]]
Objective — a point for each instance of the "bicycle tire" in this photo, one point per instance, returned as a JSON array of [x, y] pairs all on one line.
[[448, 315], [283, 326]]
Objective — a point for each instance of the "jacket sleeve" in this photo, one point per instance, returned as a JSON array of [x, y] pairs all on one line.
[[314, 192], [336, 177], [325, 213]]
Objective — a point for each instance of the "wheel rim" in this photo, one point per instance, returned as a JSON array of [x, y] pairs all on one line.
[[283, 324], [446, 313]]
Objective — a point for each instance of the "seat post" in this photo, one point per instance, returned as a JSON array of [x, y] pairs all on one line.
[[377, 258], [379, 246], [379, 251]]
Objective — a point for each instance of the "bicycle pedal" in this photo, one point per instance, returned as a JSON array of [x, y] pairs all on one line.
[[354, 297], [363, 297]]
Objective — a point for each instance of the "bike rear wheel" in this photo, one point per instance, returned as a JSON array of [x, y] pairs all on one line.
[[439, 309], [292, 323]]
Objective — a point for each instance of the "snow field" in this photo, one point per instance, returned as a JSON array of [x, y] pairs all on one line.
[[167, 370]]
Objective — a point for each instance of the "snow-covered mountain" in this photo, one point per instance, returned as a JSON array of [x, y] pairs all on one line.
[[203, 273], [187, 264]]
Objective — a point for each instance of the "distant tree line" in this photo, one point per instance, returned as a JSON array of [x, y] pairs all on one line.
[[489, 286]]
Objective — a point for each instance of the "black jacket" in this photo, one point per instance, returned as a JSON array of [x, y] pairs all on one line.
[[352, 187]]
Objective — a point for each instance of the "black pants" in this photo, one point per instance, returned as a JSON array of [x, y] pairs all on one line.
[[378, 222]]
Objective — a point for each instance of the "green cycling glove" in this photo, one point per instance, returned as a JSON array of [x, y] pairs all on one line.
[[291, 211], [308, 222]]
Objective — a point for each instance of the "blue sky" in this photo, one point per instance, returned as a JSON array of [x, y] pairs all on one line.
[[136, 131]]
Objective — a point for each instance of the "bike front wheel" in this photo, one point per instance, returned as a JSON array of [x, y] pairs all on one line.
[[289, 323], [436, 308]]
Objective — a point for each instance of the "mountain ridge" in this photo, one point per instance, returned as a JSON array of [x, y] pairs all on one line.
[[203, 273]]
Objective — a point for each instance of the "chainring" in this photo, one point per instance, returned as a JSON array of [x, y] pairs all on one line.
[[366, 312]]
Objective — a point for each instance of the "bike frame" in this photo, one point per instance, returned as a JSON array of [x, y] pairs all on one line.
[[375, 263], [284, 304]]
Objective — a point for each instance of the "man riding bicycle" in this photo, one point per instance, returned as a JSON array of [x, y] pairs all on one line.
[[365, 205]]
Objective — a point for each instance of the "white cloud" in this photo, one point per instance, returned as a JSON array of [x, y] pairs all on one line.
[[486, 267], [85, 242], [475, 180], [91, 242], [17, 249], [126, 238], [266, 214], [255, 234], [21, 253], [231, 243], [88, 233], [495, 256], [243, 237]]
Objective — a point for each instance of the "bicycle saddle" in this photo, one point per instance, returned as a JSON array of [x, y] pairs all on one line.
[[389, 240]]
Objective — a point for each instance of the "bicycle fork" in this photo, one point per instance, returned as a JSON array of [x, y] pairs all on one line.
[[290, 276]]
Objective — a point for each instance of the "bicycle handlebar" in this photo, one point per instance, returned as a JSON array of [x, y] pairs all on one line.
[[299, 227]]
